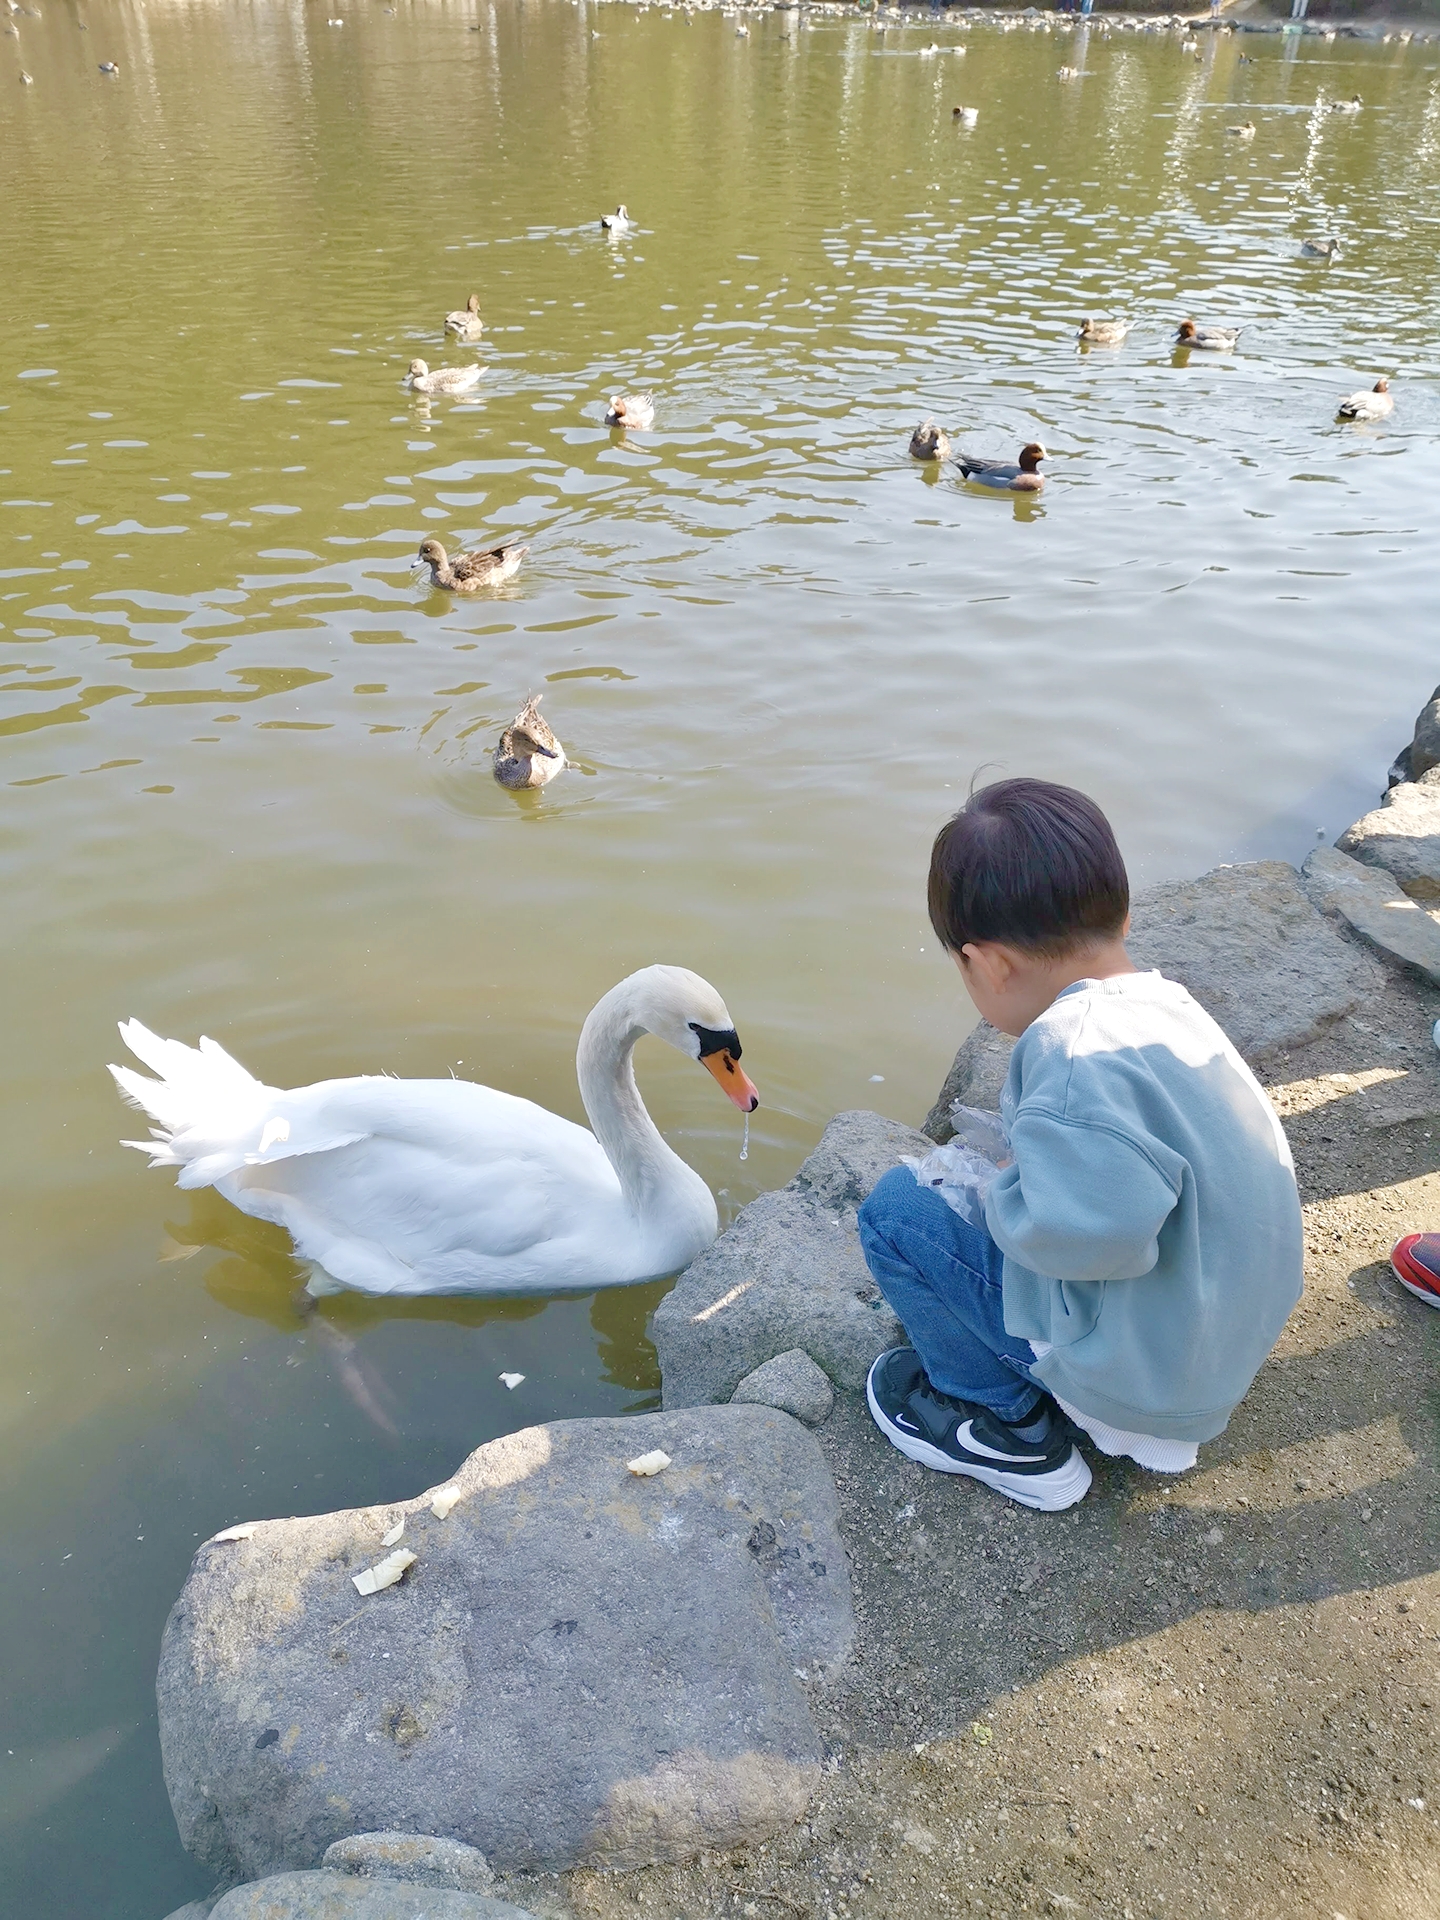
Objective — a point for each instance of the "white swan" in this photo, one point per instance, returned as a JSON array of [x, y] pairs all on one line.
[[442, 1186]]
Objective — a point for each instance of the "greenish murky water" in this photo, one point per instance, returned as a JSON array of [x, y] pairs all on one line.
[[244, 778]]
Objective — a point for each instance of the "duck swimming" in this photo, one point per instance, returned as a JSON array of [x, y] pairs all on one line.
[[631, 410], [616, 222], [1103, 333], [929, 442], [1352, 105], [1212, 339], [1372, 403], [465, 322], [1245, 131], [528, 755], [1024, 478], [442, 1186], [443, 379], [1326, 249], [469, 572], [967, 116]]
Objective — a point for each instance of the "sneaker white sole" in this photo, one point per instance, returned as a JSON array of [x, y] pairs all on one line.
[[1048, 1492], [1420, 1293]]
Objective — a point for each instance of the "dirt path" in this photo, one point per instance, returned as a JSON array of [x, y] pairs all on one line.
[[1215, 1696]]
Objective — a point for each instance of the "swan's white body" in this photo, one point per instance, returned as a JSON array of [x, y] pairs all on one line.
[[441, 1186]]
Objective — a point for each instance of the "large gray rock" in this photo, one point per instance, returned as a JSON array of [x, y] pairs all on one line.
[[1425, 747], [1369, 900], [192, 1910], [1247, 943], [788, 1272], [793, 1383], [426, 1859], [1253, 951], [583, 1666], [1402, 835], [342, 1896]]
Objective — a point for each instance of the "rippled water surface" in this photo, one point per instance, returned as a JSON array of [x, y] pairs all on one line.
[[244, 777]]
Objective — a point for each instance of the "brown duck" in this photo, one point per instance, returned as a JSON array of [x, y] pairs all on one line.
[[465, 322], [929, 442], [528, 754], [471, 572]]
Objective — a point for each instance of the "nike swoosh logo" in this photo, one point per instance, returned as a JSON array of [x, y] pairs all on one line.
[[908, 1425], [965, 1438]]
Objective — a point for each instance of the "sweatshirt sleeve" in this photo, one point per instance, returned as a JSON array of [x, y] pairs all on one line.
[[1079, 1202]]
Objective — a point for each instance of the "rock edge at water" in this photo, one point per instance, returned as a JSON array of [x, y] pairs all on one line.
[[787, 1273], [581, 1667]]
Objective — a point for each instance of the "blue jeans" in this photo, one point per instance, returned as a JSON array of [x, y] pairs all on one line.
[[942, 1277]]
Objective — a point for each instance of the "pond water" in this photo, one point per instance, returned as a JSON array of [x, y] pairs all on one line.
[[244, 753]]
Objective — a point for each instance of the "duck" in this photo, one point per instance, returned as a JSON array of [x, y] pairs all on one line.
[[465, 321], [1024, 478], [929, 442], [1372, 403], [1103, 333], [1326, 249], [1245, 131], [443, 379], [1068, 73], [1212, 339], [967, 116], [1352, 105], [408, 1187], [469, 572], [109, 66], [528, 755], [631, 410], [616, 222]]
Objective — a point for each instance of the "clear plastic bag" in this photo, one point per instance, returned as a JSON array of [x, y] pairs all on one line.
[[961, 1171]]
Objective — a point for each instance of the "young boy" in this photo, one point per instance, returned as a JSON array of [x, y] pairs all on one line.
[[1143, 1249]]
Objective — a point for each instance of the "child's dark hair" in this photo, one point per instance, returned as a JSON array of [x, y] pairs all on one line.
[[1030, 864]]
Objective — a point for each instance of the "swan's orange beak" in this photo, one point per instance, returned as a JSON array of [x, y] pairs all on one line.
[[733, 1078]]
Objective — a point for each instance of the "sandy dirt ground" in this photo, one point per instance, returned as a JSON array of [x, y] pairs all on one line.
[[1213, 1696]]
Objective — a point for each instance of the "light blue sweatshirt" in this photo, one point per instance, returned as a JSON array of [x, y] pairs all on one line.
[[1149, 1222]]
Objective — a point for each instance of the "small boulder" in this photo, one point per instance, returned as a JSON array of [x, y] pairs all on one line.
[[343, 1896], [1402, 835], [793, 1383], [425, 1859], [1251, 948], [787, 1273], [1425, 747], [1370, 900], [580, 1667]]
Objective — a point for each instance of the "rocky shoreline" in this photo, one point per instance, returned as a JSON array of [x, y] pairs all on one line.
[[598, 1678]]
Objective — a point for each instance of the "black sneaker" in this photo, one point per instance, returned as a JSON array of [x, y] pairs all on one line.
[[1036, 1464]]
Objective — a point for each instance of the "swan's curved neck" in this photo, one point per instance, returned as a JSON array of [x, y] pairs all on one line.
[[647, 1169]]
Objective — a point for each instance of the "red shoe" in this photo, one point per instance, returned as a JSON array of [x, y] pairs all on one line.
[[1415, 1262]]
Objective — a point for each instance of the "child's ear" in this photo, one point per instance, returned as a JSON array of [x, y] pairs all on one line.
[[989, 961]]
